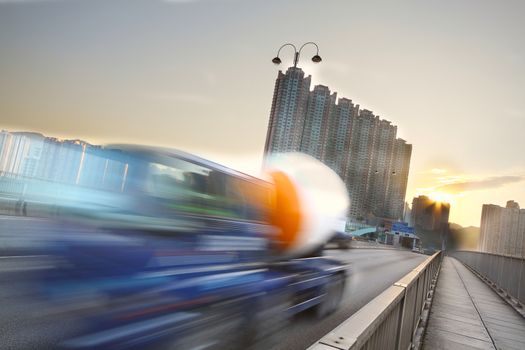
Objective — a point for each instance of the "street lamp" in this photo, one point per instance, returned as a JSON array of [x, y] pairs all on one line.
[[316, 58]]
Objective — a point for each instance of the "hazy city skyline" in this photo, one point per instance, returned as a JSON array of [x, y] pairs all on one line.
[[197, 75]]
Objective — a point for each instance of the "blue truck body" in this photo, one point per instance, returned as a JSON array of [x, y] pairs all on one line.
[[151, 267]]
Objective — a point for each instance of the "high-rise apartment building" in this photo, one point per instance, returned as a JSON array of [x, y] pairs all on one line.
[[359, 168], [336, 151], [314, 138], [502, 229], [398, 179], [356, 144], [287, 116], [381, 167]]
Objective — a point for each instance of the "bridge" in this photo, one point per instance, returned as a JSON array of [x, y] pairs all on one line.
[[394, 299], [364, 231], [468, 300]]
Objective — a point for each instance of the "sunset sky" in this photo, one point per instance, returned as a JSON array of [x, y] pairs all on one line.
[[197, 75]]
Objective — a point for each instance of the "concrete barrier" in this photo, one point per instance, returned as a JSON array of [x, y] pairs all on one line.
[[391, 319]]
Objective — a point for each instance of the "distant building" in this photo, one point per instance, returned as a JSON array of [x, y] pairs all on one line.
[[359, 146], [5, 149], [429, 215], [407, 216], [399, 233], [502, 229], [20, 152], [32, 156]]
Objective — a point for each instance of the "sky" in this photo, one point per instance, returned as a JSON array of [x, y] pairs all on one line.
[[197, 75]]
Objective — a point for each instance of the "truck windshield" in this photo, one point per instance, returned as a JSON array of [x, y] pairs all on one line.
[[184, 186]]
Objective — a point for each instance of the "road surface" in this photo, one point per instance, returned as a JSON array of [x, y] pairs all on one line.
[[372, 271]]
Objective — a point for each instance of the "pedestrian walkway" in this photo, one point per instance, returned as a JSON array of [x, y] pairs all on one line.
[[467, 314]]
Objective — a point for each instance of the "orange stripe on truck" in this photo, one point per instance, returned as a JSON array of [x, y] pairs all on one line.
[[287, 210]]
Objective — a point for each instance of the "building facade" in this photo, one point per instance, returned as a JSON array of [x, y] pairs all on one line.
[[398, 180], [359, 146], [31, 156], [429, 215], [20, 152], [289, 106], [359, 168], [320, 107], [340, 132], [502, 229], [381, 168]]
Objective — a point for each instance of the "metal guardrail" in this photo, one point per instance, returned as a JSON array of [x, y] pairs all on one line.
[[507, 273], [391, 319]]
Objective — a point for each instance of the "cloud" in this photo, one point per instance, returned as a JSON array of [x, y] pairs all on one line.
[[451, 179], [434, 171], [483, 184]]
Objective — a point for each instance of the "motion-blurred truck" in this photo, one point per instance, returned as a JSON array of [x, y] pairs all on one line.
[[167, 250]]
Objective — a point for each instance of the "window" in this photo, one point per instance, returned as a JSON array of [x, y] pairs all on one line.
[[186, 187]]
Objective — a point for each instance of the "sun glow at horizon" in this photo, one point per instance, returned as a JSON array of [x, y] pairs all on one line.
[[442, 197]]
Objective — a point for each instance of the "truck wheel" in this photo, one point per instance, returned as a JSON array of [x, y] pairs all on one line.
[[216, 330], [344, 245], [333, 294], [266, 323]]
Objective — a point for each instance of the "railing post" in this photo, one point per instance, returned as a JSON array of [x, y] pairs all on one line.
[[417, 310], [401, 318], [522, 250]]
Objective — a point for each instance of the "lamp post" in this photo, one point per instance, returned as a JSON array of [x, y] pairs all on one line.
[[316, 58]]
